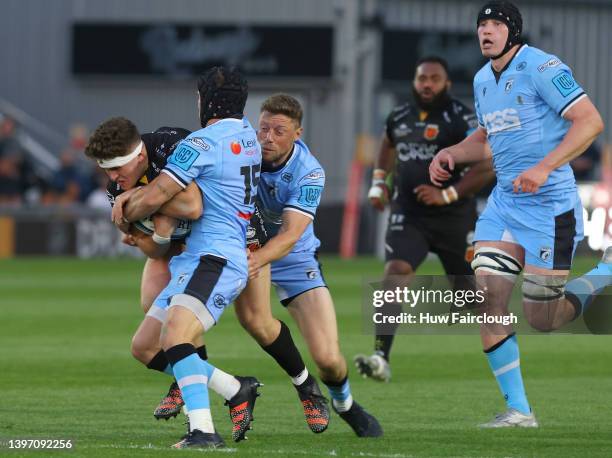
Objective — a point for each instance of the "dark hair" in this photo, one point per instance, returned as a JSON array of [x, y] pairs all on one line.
[[223, 94], [432, 60], [114, 137], [283, 104]]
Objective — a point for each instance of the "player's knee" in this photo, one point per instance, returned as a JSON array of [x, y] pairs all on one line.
[[329, 362], [397, 267], [542, 295], [263, 331], [263, 327], [141, 349]]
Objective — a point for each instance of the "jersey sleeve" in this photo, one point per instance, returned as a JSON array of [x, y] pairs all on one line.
[[556, 85], [305, 195], [191, 159]]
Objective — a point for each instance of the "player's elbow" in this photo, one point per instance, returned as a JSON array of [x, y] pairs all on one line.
[[597, 123], [195, 210]]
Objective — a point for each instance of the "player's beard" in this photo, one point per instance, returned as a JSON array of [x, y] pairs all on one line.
[[439, 101]]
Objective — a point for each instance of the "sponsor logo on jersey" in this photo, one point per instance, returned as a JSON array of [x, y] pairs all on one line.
[[446, 117], [484, 91], [431, 131], [287, 177], [508, 86], [310, 195], [314, 175], [545, 253], [181, 279], [312, 274], [521, 66], [235, 147], [249, 143], [501, 120], [412, 151], [184, 156], [219, 301], [199, 142], [550, 64], [402, 130], [565, 83]]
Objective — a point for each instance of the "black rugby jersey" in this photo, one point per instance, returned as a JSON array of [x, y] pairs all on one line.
[[417, 137], [160, 145]]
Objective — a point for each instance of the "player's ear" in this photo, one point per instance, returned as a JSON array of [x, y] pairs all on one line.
[[448, 84], [298, 132]]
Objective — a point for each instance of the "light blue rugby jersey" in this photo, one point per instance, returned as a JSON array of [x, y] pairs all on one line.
[[224, 159], [522, 114], [297, 186]]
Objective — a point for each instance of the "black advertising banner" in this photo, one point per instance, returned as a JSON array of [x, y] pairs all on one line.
[[184, 50], [402, 48]]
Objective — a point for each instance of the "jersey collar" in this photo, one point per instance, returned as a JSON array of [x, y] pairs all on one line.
[[269, 169], [498, 75]]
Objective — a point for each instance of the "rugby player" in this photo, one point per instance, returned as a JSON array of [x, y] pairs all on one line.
[[223, 159], [290, 188], [536, 118], [420, 212]]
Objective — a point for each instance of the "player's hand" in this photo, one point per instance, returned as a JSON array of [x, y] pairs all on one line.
[[379, 196], [128, 239], [429, 195], [117, 212], [255, 264], [531, 179], [440, 166]]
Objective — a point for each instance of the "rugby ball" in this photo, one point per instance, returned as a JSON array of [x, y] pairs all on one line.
[[147, 226]]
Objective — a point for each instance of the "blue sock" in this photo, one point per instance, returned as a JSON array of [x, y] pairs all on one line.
[[340, 392], [505, 364], [582, 290], [191, 374]]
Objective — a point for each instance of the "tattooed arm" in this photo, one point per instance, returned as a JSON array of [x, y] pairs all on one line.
[[146, 200]]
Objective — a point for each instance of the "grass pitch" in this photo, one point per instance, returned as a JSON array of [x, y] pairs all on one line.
[[66, 373]]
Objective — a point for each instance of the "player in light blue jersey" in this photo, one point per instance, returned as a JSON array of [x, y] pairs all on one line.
[[533, 118], [290, 189], [223, 159]]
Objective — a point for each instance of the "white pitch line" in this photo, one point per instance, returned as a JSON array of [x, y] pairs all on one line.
[[266, 451]]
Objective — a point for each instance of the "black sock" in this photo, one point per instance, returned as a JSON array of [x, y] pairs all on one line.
[[385, 332], [159, 362], [382, 345], [179, 352], [201, 351], [286, 354]]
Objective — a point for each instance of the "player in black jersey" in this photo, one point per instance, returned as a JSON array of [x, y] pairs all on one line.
[[424, 218]]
